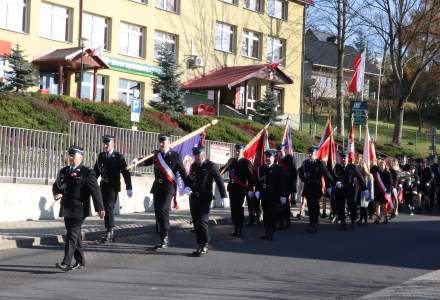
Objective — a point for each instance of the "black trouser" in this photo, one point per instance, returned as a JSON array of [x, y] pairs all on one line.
[[270, 216], [254, 208], [285, 215], [73, 247], [237, 210], [109, 197], [344, 197], [364, 214], [162, 205], [313, 207], [200, 206]]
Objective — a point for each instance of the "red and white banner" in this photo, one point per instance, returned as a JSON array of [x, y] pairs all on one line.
[[165, 169], [254, 150], [369, 150], [328, 130], [383, 191], [357, 81], [350, 147]]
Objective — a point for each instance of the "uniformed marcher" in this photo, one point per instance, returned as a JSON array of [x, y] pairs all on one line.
[[201, 176], [166, 164], [311, 173], [241, 183], [288, 164], [110, 165], [73, 186], [272, 189], [345, 176]]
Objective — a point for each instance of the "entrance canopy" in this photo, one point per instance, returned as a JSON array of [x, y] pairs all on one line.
[[70, 58], [229, 77]]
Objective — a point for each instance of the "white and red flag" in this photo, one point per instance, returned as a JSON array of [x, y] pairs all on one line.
[[369, 150], [254, 150], [350, 147], [357, 81]]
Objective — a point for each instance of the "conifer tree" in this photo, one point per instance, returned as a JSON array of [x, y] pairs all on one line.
[[266, 108], [20, 77]]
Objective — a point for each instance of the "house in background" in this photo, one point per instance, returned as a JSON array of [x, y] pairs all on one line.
[[320, 65]]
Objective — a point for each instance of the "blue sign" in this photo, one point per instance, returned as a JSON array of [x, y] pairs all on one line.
[[135, 109]]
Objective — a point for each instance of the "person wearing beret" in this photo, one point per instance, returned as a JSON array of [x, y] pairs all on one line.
[[109, 165], [311, 173], [166, 164], [346, 174], [73, 186], [271, 187], [202, 174], [240, 184], [288, 164]]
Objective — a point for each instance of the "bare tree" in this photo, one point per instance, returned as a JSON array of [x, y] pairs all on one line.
[[341, 18], [411, 28]]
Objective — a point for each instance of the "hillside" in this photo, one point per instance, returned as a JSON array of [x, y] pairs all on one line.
[[53, 113]]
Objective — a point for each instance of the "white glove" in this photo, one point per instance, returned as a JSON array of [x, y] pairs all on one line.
[[250, 194], [187, 191], [129, 193], [366, 194], [135, 161], [283, 200], [400, 185], [257, 194], [338, 184], [427, 185]]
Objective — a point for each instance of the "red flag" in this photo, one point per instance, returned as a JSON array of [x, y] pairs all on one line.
[[357, 81], [350, 147], [327, 131], [254, 150], [369, 150]]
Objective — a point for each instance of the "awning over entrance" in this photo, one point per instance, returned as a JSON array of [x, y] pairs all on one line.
[[74, 59], [229, 77], [70, 58]]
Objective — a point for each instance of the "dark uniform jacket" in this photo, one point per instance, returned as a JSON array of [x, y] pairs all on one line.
[[271, 183], [288, 164], [110, 169], [386, 179], [174, 162], [347, 176], [240, 169], [311, 173], [77, 187], [426, 179], [201, 177]]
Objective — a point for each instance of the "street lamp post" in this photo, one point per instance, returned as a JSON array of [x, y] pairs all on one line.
[[81, 40]]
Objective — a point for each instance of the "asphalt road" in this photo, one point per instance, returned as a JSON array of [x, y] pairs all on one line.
[[330, 264]]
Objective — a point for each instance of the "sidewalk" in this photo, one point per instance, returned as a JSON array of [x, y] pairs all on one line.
[[36, 233]]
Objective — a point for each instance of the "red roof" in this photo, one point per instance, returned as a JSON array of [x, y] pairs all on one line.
[[232, 76]]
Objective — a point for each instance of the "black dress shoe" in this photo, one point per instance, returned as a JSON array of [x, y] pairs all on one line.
[[77, 266], [63, 267], [234, 233], [164, 243]]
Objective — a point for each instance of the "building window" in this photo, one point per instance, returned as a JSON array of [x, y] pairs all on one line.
[[95, 30], [230, 1], [131, 40], [87, 87], [55, 22], [253, 95], [251, 44], [169, 5], [49, 82], [277, 9], [13, 15], [166, 40], [275, 50], [126, 90], [224, 37], [255, 5], [140, 1], [279, 96]]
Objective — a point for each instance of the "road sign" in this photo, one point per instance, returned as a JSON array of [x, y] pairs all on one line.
[[135, 109], [359, 111], [219, 154]]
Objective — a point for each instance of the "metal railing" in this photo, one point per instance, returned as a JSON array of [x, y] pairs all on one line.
[[28, 155]]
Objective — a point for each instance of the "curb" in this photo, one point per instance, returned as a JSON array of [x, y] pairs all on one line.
[[8, 243]]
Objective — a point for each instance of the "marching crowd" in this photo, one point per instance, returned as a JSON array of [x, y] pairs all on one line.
[[352, 192]]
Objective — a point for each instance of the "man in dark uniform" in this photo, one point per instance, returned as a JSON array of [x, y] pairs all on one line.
[[345, 175], [240, 184], [288, 164], [426, 182], [272, 189], [311, 173], [166, 164], [109, 165], [73, 186], [201, 176]]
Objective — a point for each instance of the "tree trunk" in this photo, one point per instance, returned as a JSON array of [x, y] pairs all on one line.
[[342, 13], [398, 123]]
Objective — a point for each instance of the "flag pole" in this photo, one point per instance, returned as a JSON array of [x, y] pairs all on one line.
[[178, 141]]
